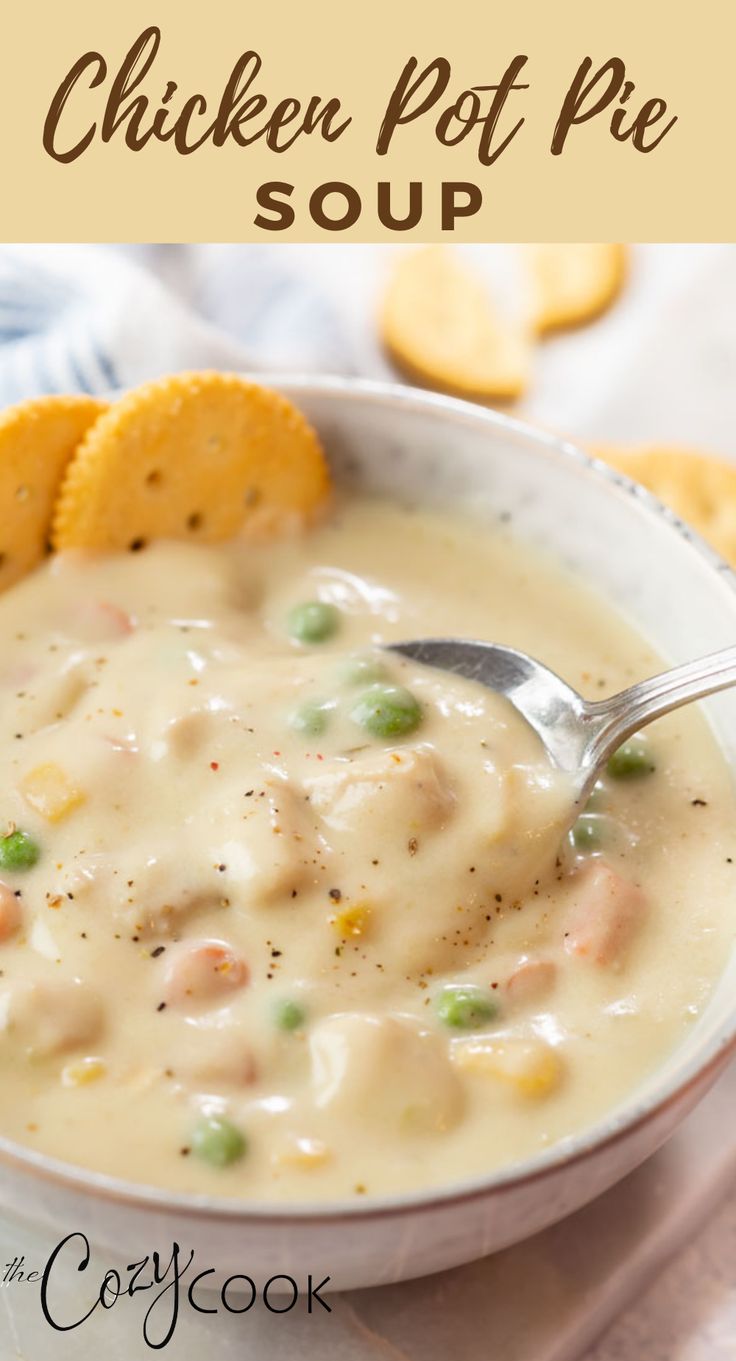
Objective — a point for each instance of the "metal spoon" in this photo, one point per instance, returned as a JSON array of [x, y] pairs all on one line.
[[579, 734]]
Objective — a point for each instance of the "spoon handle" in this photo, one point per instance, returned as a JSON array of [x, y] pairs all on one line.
[[611, 721]]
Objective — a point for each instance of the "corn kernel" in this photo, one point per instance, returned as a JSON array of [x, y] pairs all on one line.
[[302, 1152], [531, 1066], [82, 1072], [50, 792], [352, 921]]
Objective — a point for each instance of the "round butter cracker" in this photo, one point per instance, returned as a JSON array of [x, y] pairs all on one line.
[[37, 440], [700, 488], [572, 283], [439, 327], [197, 456]]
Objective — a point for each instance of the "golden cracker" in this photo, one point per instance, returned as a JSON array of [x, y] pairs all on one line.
[[439, 327], [700, 488], [37, 441], [197, 456], [573, 283]]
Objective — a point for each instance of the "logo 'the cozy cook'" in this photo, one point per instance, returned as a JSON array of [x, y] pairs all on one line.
[[135, 102]]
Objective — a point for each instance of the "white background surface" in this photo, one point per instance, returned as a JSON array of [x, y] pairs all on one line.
[[661, 366]]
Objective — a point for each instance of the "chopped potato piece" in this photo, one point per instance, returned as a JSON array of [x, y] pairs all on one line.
[[48, 1018], [385, 1073]]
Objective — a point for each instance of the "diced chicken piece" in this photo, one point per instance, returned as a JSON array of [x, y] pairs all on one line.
[[48, 1018], [53, 697], [275, 855], [532, 1067], [384, 1071], [213, 1058], [531, 981], [186, 735], [604, 916], [400, 792], [10, 913], [203, 973], [163, 891]]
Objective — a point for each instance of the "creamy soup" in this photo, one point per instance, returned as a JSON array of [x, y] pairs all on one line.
[[284, 916]]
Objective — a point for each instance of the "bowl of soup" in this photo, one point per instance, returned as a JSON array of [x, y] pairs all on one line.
[[300, 964]]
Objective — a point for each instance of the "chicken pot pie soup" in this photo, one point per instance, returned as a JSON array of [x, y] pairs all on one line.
[[285, 916]]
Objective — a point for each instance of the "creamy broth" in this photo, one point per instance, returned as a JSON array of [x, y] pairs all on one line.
[[302, 921]]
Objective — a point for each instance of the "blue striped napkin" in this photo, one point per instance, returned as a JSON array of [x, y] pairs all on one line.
[[89, 318]]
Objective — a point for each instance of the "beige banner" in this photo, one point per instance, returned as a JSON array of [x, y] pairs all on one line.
[[394, 120]]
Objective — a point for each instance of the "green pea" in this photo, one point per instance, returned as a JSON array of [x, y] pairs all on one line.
[[218, 1141], [387, 711], [631, 761], [311, 718], [288, 1014], [588, 833], [313, 622], [365, 670], [465, 1007], [18, 851]]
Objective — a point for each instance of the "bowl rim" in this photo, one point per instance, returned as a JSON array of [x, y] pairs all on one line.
[[612, 1127]]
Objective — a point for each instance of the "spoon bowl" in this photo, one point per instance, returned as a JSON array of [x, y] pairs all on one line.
[[578, 734]]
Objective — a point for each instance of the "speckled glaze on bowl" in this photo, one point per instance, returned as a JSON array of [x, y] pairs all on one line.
[[432, 449]]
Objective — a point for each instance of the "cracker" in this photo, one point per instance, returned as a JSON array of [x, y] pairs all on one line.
[[700, 488], [573, 283], [439, 327], [37, 440], [197, 456]]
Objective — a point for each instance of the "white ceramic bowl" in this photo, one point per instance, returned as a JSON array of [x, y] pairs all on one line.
[[681, 596]]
